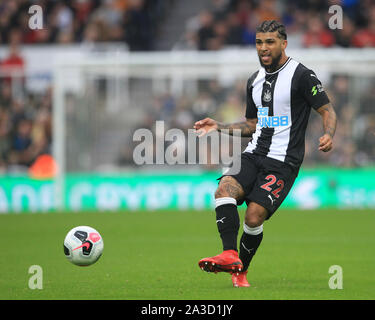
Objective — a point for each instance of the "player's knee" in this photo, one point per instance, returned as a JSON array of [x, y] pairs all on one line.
[[253, 221], [221, 193], [255, 218], [255, 215], [229, 187]]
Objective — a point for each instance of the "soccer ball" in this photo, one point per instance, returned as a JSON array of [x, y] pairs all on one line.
[[83, 246]]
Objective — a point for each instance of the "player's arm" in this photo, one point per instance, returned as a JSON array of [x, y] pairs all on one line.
[[244, 128], [247, 127], [329, 119], [316, 97]]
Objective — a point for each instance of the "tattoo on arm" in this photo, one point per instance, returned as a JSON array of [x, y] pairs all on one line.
[[329, 119], [247, 128]]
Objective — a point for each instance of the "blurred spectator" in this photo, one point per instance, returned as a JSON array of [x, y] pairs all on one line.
[[317, 35], [367, 101], [184, 117], [267, 10], [243, 9], [91, 33], [61, 17], [230, 111], [344, 36], [5, 95], [138, 26], [206, 30], [20, 153], [108, 13], [5, 128], [340, 89], [235, 30], [13, 65], [82, 9], [365, 37], [366, 143], [110, 17], [217, 92], [219, 8], [203, 106]]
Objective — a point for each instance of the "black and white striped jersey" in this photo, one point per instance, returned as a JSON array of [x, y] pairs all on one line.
[[282, 101]]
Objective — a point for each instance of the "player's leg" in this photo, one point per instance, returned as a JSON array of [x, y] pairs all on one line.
[[227, 194], [250, 240], [252, 235], [270, 190], [231, 192]]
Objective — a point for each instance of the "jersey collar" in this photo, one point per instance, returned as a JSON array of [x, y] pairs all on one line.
[[281, 68]]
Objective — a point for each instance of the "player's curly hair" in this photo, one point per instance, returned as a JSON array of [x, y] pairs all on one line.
[[272, 26]]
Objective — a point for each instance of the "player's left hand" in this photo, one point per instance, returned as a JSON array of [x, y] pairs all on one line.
[[325, 143]]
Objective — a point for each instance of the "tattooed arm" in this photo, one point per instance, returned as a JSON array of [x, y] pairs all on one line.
[[245, 128], [328, 115]]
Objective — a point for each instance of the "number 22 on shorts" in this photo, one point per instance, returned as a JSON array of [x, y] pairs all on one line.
[[271, 181]]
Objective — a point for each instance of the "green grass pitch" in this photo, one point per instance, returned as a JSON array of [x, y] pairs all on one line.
[[154, 256]]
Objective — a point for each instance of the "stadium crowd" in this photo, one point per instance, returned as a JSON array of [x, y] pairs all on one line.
[[233, 22], [222, 23], [81, 21], [25, 117], [25, 128]]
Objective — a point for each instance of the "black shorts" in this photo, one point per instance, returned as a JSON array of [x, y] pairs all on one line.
[[264, 180]]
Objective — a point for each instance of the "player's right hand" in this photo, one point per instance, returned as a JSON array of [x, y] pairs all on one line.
[[205, 126], [325, 143]]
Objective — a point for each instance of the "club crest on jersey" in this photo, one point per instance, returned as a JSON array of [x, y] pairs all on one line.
[[265, 121], [267, 97]]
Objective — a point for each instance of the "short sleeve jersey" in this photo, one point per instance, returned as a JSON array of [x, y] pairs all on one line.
[[282, 101]]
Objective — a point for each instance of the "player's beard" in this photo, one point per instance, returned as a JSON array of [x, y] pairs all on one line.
[[273, 66]]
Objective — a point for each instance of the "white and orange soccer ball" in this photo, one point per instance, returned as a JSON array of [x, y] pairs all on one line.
[[83, 246]]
